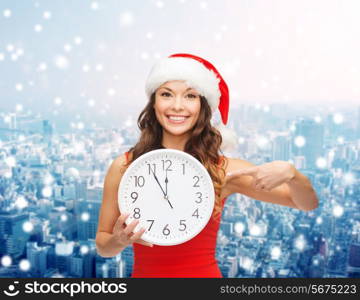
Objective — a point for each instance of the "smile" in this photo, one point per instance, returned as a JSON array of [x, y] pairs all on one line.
[[176, 119]]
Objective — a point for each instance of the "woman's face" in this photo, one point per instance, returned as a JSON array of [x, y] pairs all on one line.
[[177, 106]]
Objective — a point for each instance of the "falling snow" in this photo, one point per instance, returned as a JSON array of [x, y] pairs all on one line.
[[98, 70]]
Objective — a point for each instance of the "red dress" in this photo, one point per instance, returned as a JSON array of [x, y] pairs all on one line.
[[194, 258]]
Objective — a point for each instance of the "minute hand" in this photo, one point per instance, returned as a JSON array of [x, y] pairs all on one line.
[[166, 183], [158, 182]]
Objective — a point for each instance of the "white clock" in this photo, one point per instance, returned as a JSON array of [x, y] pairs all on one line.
[[171, 194]]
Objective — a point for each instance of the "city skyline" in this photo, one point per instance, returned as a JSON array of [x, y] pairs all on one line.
[[51, 191]]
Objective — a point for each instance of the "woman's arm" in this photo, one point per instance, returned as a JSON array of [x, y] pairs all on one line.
[[302, 193], [113, 235], [109, 211], [296, 192]]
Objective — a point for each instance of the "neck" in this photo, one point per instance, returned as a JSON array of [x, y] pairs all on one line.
[[176, 142]]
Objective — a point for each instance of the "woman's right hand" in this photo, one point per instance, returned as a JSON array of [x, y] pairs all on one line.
[[124, 235]]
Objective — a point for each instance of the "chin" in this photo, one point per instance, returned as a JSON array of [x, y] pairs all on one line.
[[177, 132]]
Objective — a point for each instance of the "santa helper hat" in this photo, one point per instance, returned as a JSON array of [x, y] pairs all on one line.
[[201, 75]]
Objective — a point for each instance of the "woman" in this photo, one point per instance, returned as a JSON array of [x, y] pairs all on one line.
[[184, 90]]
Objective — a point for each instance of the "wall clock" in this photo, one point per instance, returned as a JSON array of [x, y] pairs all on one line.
[[171, 194]]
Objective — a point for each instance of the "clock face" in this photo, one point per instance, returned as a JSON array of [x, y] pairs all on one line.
[[170, 192]]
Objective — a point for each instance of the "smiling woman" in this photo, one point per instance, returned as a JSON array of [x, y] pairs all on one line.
[[184, 90]]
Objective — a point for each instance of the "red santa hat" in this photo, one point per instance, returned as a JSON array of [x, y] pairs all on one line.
[[199, 74]]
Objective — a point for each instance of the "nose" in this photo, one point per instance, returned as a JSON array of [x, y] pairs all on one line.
[[178, 103]]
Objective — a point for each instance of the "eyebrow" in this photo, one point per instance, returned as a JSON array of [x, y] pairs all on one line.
[[164, 87]]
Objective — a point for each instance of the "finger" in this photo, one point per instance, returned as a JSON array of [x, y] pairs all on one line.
[[260, 186], [123, 217], [137, 235], [142, 242], [254, 183], [265, 186], [120, 222], [270, 186], [130, 228]]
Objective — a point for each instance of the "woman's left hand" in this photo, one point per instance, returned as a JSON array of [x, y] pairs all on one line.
[[266, 176]]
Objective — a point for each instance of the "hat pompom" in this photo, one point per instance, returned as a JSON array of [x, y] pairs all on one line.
[[229, 138]]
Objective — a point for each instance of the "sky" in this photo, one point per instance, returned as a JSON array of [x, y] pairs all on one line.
[[90, 59]]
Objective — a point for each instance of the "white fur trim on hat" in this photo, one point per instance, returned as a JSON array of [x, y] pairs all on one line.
[[193, 72]]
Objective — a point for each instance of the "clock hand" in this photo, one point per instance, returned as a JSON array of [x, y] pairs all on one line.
[[166, 182], [167, 198], [158, 182]]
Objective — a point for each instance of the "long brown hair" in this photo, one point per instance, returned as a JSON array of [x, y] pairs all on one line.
[[204, 144]]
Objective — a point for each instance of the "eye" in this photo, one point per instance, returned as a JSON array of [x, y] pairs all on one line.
[[164, 94], [192, 95]]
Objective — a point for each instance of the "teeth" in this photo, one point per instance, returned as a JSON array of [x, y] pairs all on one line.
[[177, 118]]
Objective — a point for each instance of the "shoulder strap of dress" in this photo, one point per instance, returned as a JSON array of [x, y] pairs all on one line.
[[220, 158], [127, 156]]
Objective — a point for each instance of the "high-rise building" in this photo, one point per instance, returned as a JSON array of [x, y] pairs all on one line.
[[76, 265], [317, 267], [281, 148], [80, 189], [227, 228], [89, 264], [99, 266], [47, 131], [87, 212], [12, 236], [69, 191], [313, 134], [353, 266], [94, 193], [127, 256], [113, 268], [37, 257]]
